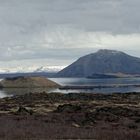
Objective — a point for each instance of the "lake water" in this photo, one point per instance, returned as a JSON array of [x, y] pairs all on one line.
[[99, 82], [81, 82]]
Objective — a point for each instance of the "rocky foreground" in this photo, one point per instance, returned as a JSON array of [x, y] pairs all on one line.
[[42, 116]]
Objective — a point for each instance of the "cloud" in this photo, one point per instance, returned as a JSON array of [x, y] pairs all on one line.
[[71, 44], [66, 29]]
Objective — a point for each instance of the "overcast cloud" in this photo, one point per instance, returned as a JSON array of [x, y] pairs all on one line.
[[57, 32]]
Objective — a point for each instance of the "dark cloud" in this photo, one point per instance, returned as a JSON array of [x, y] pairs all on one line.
[[66, 29]]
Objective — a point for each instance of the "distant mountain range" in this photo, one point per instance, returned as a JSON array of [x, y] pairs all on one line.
[[48, 71], [108, 62], [31, 69]]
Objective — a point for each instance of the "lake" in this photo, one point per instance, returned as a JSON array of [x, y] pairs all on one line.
[[99, 82], [81, 82]]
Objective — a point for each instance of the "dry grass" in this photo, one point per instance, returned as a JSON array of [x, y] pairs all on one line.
[[39, 128]]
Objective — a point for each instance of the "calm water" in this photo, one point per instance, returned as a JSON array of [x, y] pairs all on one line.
[[79, 82], [99, 82]]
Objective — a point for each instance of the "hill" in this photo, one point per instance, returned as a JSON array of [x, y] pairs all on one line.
[[103, 62], [28, 82]]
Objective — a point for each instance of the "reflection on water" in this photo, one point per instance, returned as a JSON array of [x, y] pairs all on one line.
[[79, 81], [90, 82], [3, 94]]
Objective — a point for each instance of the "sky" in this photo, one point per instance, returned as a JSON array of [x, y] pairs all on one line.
[[57, 32]]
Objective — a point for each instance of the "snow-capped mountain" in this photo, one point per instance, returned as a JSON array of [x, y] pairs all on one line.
[[49, 69], [21, 69]]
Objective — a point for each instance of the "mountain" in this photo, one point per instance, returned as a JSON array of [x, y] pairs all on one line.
[[102, 62], [49, 69], [24, 74]]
